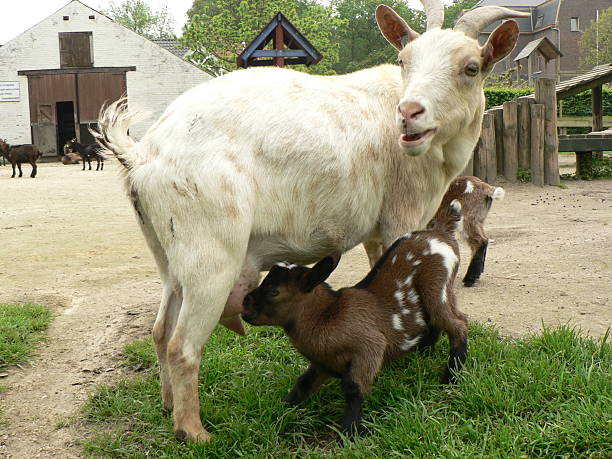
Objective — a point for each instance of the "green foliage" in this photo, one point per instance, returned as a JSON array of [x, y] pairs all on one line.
[[497, 96], [361, 43], [21, 327], [218, 30], [576, 105], [138, 16], [596, 41], [580, 104], [545, 395], [592, 168], [523, 175], [452, 11]]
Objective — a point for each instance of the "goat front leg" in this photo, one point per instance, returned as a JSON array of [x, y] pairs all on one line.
[[20, 171], [478, 244], [306, 385], [34, 168], [83, 163], [13, 164]]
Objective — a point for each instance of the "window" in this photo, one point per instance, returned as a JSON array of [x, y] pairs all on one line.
[[574, 25], [539, 22], [75, 49]]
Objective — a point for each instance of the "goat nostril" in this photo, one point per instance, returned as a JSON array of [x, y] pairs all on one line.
[[416, 115]]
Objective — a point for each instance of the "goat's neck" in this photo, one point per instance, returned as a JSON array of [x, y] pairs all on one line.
[[308, 314]]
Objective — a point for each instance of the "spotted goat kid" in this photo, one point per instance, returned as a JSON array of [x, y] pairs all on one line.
[[403, 304]]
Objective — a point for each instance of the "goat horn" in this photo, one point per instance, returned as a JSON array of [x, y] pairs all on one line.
[[434, 12], [472, 22]]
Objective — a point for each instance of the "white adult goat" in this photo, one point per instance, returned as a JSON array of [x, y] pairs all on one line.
[[264, 165]]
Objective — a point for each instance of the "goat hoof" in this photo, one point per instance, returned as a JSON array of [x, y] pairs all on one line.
[[194, 437], [448, 378], [291, 400], [355, 430], [469, 282]]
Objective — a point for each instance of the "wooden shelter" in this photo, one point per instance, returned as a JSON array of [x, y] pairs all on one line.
[[535, 51], [289, 46]]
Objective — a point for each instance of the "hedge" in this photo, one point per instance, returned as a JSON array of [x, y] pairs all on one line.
[[577, 105]]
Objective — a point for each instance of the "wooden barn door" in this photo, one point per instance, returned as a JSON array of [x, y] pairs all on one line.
[[95, 90], [44, 92]]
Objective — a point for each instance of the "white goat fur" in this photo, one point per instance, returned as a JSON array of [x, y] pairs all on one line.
[[268, 164]]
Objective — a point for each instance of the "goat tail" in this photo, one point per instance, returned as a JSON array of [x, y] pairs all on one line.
[[448, 219], [112, 132], [498, 193]]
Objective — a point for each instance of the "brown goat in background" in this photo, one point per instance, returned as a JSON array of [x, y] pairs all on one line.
[[17, 154], [476, 198]]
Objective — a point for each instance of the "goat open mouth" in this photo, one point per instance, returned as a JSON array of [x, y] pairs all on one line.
[[417, 138]]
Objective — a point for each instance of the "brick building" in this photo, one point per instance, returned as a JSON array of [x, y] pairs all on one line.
[[560, 21], [55, 76]]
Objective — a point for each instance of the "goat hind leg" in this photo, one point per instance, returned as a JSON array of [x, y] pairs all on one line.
[[374, 250], [163, 328], [20, 171], [458, 343], [204, 296]]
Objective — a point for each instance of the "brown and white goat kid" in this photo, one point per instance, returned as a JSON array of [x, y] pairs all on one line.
[[476, 198], [268, 164], [403, 304]]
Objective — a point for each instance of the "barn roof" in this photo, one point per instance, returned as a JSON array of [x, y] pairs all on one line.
[[300, 49], [544, 13], [173, 45]]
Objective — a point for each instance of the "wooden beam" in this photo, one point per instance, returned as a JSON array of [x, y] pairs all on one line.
[[510, 117], [488, 147], [545, 94], [77, 70], [572, 90], [524, 132], [498, 115], [537, 113], [279, 43], [596, 105]]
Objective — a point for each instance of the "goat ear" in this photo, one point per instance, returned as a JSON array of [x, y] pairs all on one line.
[[393, 27], [500, 43], [321, 271]]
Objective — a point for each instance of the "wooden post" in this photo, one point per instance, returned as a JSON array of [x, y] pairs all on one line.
[[488, 147], [537, 143], [510, 140], [545, 94], [596, 105], [278, 45], [499, 139], [524, 129]]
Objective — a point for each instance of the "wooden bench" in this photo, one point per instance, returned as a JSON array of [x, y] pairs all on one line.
[[585, 144]]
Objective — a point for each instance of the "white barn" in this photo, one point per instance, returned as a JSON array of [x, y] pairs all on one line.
[[55, 76]]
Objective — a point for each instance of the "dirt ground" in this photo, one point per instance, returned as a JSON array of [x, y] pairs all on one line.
[[68, 240]]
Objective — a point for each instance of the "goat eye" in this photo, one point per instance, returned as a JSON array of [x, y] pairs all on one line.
[[471, 69], [273, 292], [400, 62]]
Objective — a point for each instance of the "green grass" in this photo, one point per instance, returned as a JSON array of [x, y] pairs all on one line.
[[547, 395], [21, 327]]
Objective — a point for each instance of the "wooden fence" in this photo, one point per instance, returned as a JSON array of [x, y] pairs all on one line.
[[520, 134]]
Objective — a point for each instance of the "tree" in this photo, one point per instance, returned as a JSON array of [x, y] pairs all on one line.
[[218, 30], [596, 42], [138, 16], [361, 43], [453, 11]]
